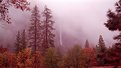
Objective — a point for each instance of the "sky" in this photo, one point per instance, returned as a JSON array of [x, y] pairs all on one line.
[[83, 19], [78, 20]]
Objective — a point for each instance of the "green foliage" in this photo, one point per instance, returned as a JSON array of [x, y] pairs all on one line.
[[73, 57], [101, 51], [51, 58], [113, 22]]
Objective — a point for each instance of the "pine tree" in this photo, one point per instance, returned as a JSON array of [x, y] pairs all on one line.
[[23, 40], [101, 44], [35, 30], [86, 44], [18, 43], [114, 24], [35, 33], [101, 51], [48, 35]]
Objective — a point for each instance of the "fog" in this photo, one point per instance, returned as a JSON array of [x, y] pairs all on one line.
[[83, 19], [78, 20]]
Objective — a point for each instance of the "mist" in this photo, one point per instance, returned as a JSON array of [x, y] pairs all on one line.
[[83, 19], [78, 21]]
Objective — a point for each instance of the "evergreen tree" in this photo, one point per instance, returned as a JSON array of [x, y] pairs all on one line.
[[114, 24], [86, 44], [48, 35], [18, 43], [35, 34], [23, 40], [101, 51], [35, 30]]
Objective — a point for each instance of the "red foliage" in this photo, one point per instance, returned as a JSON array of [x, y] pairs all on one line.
[[21, 4], [2, 50], [90, 54], [4, 5]]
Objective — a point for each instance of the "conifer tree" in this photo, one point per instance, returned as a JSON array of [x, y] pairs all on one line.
[[86, 44], [48, 33], [101, 51], [18, 43], [35, 30], [35, 33], [23, 40], [114, 24]]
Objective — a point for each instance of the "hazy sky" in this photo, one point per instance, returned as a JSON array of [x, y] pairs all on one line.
[[79, 19], [83, 18]]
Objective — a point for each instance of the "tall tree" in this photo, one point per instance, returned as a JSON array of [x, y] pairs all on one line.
[[114, 24], [18, 43], [101, 51], [23, 40], [35, 33], [35, 30], [86, 44], [48, 35]]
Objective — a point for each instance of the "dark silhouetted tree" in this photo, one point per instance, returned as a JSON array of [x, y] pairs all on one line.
[[86, 44], [114, 24], [35, 30], [18, 43], [23, 40], [35, 33], [48, 35], [101, 51]]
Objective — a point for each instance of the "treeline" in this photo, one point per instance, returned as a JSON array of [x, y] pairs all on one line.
[[40, 34], [34, 48], [31, 43], [76, 57]]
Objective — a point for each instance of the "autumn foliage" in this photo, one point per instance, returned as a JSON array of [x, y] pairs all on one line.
[[35, 48], [6, 4]]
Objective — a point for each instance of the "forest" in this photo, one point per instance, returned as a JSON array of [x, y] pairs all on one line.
[[35, 46]]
